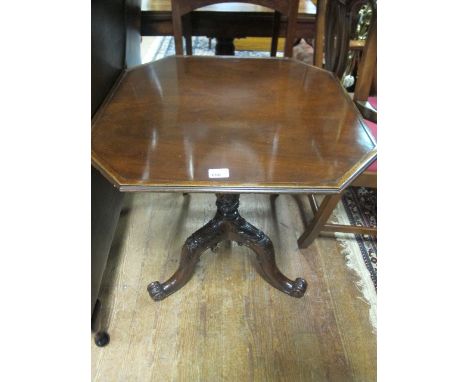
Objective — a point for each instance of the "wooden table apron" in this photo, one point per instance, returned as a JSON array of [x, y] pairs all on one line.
[[157, 21], [279, 125]]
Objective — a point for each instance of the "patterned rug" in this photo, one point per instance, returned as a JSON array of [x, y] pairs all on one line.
[[164, 46], [359, 205]]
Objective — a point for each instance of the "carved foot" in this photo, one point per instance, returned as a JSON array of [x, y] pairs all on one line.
[[299, 287], [156, 291]]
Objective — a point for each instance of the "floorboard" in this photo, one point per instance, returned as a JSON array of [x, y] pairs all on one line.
[[227, 323]]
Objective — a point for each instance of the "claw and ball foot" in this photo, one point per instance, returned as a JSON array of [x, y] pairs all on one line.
[[227, 225]]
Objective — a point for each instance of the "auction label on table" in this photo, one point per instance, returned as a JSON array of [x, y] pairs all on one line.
[[218, 173]]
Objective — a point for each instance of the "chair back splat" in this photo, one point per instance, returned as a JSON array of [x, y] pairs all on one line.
[[367, 72], [182, 25], [336, 24]]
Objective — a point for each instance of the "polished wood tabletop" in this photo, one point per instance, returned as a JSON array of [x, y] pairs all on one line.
[[277, 125]]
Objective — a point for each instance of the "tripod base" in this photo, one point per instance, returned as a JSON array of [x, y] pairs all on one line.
[[227, 225]]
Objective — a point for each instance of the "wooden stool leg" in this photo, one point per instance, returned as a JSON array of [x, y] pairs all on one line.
[[206, 237], [246, 234], [320, 218]]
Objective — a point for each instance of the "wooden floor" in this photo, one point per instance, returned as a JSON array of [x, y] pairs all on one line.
[[227, 323]]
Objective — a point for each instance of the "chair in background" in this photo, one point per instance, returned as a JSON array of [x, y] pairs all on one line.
[[337, 22], [337, 38], [182, 25]]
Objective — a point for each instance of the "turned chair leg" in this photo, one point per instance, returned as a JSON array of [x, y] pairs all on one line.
[[319, 220]]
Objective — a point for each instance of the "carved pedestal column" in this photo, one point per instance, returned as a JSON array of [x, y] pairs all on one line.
[[224, 46], [227, 225]]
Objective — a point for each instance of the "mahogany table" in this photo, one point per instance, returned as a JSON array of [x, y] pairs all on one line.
[[225, 21], [229, 126]]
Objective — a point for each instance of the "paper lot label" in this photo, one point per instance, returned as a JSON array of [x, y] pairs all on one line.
[[218, 173]]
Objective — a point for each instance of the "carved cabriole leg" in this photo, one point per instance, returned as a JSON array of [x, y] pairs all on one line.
[[206, 237], [227, 225], [246, 234]]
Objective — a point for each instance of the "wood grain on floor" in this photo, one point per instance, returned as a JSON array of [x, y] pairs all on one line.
[[227, 323]]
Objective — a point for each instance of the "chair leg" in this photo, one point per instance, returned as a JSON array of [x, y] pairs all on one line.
[[320, 218]]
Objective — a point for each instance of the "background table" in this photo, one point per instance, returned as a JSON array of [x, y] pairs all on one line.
[[231, 20]]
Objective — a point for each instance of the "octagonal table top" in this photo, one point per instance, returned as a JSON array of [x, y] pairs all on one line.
[[227, 124]]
